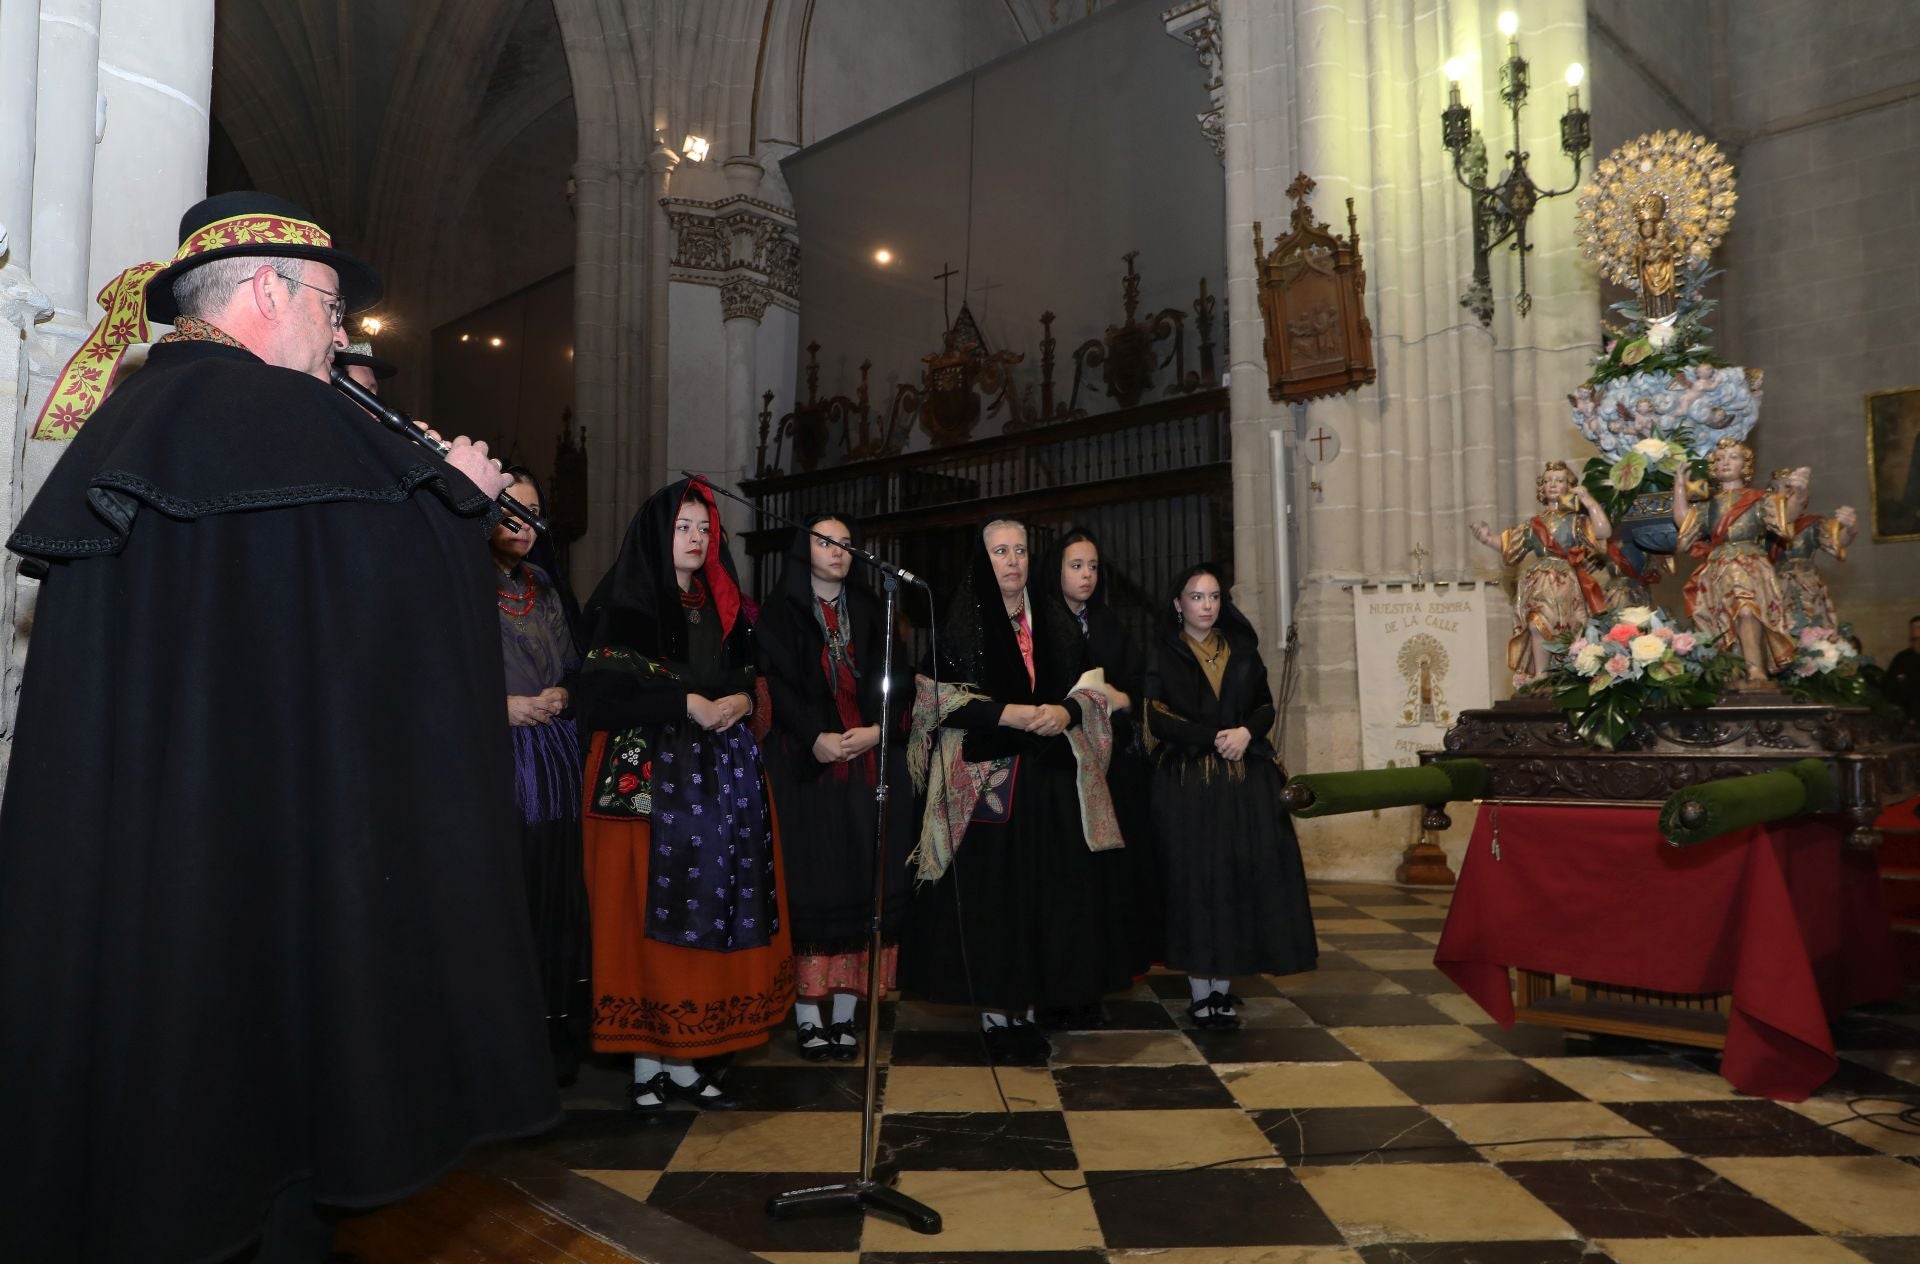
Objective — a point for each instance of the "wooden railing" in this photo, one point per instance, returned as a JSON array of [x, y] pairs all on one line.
[[1153, 481]]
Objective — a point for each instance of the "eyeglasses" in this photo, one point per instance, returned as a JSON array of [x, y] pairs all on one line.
[[333, 303]]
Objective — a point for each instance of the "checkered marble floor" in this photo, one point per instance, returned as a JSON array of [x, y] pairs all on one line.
[[1370, 1098]]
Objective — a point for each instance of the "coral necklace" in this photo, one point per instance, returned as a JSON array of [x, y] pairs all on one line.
[[517, 604]]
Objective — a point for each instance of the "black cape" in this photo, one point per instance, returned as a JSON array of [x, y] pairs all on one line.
[[827, 825], [261, 915]]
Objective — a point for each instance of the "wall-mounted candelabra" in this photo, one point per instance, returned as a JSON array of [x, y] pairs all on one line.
[[1501, 210]]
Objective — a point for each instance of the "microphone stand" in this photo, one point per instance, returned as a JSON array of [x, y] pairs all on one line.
[[401, 424], [874, 1187]]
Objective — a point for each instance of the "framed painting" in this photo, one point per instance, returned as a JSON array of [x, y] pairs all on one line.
[[1893, 462]]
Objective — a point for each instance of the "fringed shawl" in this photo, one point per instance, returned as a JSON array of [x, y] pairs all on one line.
[[953, 785]]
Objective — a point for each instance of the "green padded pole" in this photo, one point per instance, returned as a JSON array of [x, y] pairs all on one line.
[[1713, 808], [1334, 793]]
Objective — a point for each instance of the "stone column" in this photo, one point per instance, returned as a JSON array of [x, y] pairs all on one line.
[[66, 120], [742, 304], [596, 299], [1351, 93], [660, 165], [103, 143], [156, 74], [19, 84]]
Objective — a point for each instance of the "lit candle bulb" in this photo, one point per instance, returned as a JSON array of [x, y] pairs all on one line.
[[1454, 69], [1576, 73]]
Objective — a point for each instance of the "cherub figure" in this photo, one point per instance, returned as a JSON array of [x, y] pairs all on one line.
[[1734, 597], [1693, 384], [1557, 593], [1809, 604]]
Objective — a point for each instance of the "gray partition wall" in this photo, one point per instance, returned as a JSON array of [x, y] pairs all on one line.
[[1031, 177]]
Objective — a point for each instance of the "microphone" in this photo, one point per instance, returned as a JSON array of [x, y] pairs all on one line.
[[884, 567]]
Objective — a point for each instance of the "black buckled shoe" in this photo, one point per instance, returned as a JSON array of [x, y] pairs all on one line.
[[816, 1043], [844, 1045], [1216, 1011], [1017, 1044], [703, 1093], [657, 1087]]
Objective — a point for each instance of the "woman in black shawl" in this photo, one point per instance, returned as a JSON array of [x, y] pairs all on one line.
[[1236, 890], [691, 956], [537, 643], [1075, 559], [821, 636], [1020, 912]]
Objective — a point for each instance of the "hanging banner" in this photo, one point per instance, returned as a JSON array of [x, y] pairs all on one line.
[[1421, 650]]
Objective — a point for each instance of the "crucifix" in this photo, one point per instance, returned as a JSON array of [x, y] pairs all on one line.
[[1419, 555], [986, 287], [946, 315], [1320, 439]]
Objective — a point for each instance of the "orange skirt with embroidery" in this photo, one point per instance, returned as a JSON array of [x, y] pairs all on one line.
[[665, 999]]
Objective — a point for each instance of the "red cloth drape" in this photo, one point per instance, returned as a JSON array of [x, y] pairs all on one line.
[[1785, 917]]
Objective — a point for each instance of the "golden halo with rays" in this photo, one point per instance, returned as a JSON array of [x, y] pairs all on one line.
[[1689, 172]]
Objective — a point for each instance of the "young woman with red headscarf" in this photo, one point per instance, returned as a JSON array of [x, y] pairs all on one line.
[[691, 953]]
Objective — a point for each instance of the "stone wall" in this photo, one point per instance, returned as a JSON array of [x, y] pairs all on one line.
[[1826, 255], [1461, 416]]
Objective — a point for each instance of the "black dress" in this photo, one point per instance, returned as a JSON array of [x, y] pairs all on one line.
[[1236, 892], [827, 810], [536, 641], [1026, 915], [1129, 775]]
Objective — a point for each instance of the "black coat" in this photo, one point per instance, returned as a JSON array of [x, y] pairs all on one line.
[[1176, 683], [261, 911]]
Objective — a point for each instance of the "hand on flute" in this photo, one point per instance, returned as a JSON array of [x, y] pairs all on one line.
[[469, 456]]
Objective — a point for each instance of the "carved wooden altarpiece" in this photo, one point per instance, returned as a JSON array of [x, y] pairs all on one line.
[[1313, 288]]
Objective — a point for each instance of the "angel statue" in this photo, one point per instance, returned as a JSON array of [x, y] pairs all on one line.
[[1734, 597], [1557, 593], [1809, 604]]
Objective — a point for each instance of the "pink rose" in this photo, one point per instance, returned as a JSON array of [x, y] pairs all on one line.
[[1806, 668], [1621, 633], [1811, 636], [1665, 634], [1579, 644], [1683, 642], [1619, 665]]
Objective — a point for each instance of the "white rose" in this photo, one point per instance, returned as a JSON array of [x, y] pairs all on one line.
[[1655, 450], [1660, 333], [1827, 654], [1638, 616], [1588, 660], [1646, 649]]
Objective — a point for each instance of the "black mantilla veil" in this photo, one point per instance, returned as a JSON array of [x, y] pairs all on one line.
[[1056, 557], [791, 605], [796, 574], [637, 604], [543, 556], [977, 644], [1231, 624]]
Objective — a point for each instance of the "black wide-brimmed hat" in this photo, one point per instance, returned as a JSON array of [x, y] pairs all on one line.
[[220, 227], [382, 369], [250, 223]]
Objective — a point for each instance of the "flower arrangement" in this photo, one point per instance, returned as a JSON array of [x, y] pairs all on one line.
[[1650, 465], [1628, 660], [1825, 668]]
